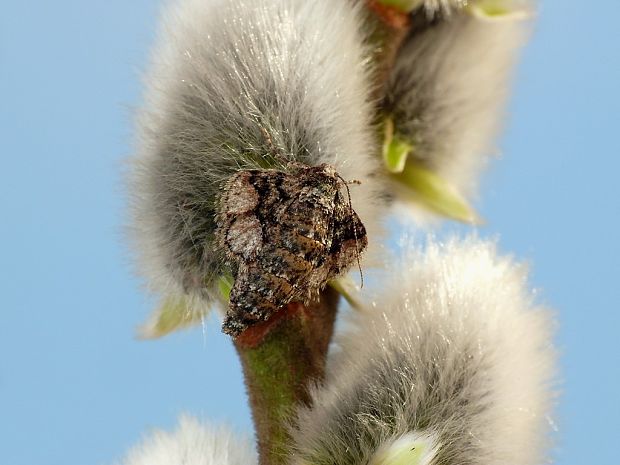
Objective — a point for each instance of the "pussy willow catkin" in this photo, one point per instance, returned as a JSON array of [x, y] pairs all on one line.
[[193, 443], [237, 85], [455, 358], [447, 90]]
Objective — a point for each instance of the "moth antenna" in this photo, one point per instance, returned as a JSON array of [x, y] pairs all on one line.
[[357, 248]]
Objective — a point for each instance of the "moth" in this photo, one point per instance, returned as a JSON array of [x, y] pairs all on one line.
[[285, 235]]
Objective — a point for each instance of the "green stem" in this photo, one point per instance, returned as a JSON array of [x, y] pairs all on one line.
[[280, 359]]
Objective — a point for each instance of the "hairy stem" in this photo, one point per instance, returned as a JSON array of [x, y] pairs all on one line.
[[280, 358]]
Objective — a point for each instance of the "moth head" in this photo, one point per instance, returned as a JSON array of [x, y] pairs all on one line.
[[328, 170]]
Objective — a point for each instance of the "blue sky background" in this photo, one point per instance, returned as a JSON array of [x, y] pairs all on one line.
[[76, 388]]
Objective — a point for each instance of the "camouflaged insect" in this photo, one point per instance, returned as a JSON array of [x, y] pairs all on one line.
[[286, 234]]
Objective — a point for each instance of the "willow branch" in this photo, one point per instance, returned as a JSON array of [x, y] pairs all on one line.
[[286, 354], [279, 358]]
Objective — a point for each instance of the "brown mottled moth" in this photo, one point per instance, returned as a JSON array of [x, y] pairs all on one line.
[[288, 234], [274, 90]]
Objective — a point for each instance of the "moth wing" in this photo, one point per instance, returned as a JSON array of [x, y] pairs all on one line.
[[349, 240], [243, 237], [239, 230], [239, 195]]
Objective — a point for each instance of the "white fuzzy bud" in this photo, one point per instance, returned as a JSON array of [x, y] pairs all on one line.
[[238, 85], [455, 352], [409, 449], [193, 444], [448, 87]]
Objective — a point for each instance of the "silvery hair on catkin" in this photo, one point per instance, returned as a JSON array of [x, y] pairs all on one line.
[[455, 351], [236, 85], [193, 443], [447, 89]]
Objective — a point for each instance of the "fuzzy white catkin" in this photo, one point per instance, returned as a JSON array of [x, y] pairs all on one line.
[[193, 444], [234, 84], [449, 84], [455, 349]]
